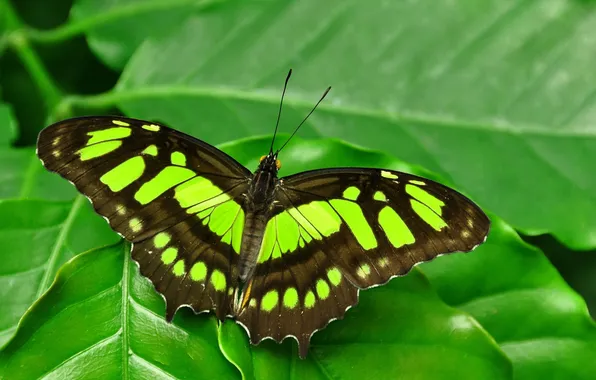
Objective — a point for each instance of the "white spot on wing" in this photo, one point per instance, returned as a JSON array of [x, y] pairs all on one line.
[[383, 262], [121, 210], [135, 225]]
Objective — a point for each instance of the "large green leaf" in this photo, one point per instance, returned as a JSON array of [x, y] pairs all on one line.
[[37, 238], [496, 96], [100, 319]]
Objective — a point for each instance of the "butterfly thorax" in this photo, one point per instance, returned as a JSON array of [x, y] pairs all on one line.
[[261, 191], [258, 206]]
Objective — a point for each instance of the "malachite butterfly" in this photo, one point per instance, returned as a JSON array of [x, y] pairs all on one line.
[[282, 256]]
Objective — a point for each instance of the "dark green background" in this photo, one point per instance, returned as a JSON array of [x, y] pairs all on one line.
[[496, 98]]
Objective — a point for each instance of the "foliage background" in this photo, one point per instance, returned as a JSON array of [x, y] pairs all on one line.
[[496, 98]]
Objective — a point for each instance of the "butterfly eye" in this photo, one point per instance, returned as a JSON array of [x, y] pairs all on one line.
[[278, 164], [262, 158]]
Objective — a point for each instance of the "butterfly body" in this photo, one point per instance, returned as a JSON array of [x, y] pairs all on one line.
[[258, 206], [282, 256]]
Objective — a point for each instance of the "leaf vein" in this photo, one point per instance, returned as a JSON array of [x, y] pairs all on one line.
[[60, 242], [95, 345]]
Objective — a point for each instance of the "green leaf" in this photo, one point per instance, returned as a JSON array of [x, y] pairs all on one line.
[[403, 323], [495, 96], [37, 238], [100, 319], [520, 299], [115, 29]]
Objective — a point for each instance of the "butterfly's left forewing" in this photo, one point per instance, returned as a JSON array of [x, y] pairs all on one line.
[[336, 231], [176, 198]]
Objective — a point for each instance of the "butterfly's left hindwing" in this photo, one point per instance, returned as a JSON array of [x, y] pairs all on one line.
[[336, 231], [176, 198]]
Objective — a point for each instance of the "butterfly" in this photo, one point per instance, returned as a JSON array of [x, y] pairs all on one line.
[[281, 256]]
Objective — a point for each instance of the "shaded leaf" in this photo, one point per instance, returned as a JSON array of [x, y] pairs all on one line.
[[101, 294], [495, 96]]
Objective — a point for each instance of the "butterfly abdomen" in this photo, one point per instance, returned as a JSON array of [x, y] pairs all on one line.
[[252, 237], [258, 205]]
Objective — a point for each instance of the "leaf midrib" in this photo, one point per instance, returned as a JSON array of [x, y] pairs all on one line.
[[113, 98], [125, 306]]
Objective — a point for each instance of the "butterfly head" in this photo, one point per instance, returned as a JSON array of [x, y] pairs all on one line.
[[269, 163]]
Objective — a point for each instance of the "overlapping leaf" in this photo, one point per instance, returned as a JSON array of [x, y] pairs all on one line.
[[496, 96], [403, 319]]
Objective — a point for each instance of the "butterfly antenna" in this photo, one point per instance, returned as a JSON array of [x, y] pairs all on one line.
[[279, 113], [311, 111]]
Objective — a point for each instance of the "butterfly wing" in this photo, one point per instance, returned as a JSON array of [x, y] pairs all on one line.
[[340, 230], [176, 198]]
